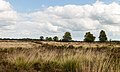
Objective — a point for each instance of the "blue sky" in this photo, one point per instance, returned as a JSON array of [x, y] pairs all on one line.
[[32, 5], [35, 18]]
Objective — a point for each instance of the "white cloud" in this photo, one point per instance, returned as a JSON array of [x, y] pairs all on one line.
[[80, 17], [6, 11], [5, 6], [58, 19], [8, 16]]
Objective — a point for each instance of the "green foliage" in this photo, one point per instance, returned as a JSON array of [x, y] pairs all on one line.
[[20, 62], [67, 36], [55, 38], [48, 39], [102, 37], [70, 66], [89, 37], [41, 38]]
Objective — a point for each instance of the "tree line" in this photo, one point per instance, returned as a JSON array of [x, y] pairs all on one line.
[[88, 37]]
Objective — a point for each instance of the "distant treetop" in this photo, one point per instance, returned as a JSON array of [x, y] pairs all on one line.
[[67, 37], [89, 37], [102, 36]]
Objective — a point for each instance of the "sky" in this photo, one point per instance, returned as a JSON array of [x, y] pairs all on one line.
[[35, 18], [32, 5]]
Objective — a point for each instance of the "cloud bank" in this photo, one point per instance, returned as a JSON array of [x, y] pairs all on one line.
[[55, 20]]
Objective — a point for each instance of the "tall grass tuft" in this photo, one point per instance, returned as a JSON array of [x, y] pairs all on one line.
[[66, 60]]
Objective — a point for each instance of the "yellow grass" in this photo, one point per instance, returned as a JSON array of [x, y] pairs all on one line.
[[46, 57]]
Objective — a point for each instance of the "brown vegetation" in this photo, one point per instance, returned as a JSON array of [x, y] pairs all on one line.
[[34, 56]]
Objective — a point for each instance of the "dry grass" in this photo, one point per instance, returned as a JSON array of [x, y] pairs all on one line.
[[58, 57], [16, 44], [66, 60], [83, 44]]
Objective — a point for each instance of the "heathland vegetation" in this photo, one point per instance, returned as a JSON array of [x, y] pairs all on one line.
[[42, 56], [60, 55]]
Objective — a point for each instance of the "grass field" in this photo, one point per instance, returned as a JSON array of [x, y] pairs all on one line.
[[41, 56]]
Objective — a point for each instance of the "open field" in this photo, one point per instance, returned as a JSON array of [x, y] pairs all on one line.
[[85, 44], [40, 56], [36, 43]]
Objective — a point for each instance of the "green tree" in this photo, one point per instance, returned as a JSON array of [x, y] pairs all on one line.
[[55, 38], [102, 36], [41, 38], [89, 37], [48, 38], [67, 36]]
